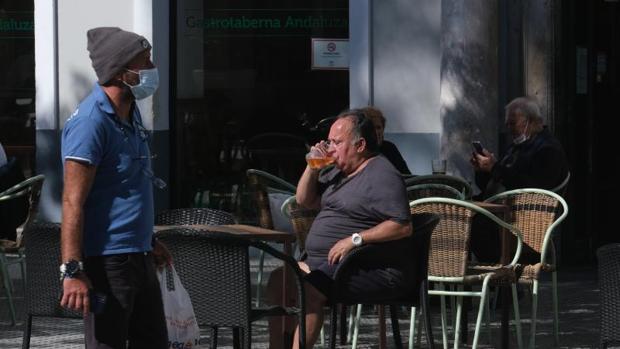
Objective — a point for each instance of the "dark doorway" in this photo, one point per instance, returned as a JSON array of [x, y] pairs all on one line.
[[588, 86]]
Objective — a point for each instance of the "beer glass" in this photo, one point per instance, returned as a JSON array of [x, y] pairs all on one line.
[[318, 159]]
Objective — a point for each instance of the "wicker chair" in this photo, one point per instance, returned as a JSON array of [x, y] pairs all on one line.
[[609, 284], [262, 184], [215, 270], [536, 213], [188, 216], [455, 182], [449, 262], [301, 220], [420, 191], [12, 252], [423, 226], [42, 243]]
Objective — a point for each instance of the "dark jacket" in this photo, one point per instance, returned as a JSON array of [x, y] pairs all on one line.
[[389, 150], [539, 162]]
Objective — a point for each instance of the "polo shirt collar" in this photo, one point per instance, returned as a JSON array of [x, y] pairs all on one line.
[[103, 102]]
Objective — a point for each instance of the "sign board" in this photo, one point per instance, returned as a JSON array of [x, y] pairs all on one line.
[[330, 54]]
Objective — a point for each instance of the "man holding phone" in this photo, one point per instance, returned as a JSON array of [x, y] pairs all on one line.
[[535, 159]]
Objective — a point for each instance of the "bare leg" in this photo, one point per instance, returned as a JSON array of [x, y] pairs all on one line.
[[315, 301], [274, 297]]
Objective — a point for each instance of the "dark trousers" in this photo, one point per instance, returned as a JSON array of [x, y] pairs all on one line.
[[485, 240], [133, 315]]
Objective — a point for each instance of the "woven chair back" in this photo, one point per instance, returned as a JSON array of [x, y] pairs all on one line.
[[301, 220], [449, 248], [42, 243], [420, 191], [455, 182], [532, 214], [215, 272], [188, 216]]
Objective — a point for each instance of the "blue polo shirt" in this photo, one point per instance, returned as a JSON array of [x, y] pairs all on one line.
[[118, 213]]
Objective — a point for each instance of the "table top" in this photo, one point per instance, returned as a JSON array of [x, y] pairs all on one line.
[[242, 230]]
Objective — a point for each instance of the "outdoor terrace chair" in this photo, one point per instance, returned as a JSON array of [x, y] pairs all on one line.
[[449, 259], [12, 252], [42, 244], [189, 216], [265, 188], [423, 225], [301, 220], [536, 213], [419, 191], [458, 183], [609, 284], [215, 270]]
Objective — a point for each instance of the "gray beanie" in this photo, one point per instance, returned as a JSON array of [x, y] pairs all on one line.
[[111, 48]]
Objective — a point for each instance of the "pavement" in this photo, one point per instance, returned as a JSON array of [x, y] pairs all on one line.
[[579, 320]]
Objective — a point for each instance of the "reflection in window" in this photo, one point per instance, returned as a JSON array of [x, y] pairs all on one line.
[[243, 69], [17, 87]]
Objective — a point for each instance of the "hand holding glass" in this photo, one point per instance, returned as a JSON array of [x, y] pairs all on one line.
[[318, 157]]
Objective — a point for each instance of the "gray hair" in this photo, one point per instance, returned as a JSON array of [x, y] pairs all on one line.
[[526, 106]]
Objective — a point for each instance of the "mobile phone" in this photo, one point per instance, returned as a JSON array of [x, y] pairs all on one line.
[[477, 147]]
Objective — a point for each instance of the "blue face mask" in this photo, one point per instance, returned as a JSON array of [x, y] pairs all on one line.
[[149, 81]]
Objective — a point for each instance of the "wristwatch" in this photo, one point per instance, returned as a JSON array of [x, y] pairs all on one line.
[[70, 269], [357, 239]]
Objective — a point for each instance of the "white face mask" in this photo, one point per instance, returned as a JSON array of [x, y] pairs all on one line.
[[149, 81], [522, 137]]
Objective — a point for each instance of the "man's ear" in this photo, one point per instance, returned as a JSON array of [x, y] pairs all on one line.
[[361, 145]]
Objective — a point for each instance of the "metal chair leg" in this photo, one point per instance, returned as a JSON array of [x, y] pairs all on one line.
[[556, 320], [398, 343], [427, 315], [8, 287], [333, 326], [259, 277], [517, 312], [534, 310], [412, 328], [27, 332]]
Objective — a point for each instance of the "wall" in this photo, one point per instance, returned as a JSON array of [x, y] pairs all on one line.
[[64, 76], [395, 65]]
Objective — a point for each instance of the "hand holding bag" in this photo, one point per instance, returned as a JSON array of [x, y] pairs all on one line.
[[183, 331]]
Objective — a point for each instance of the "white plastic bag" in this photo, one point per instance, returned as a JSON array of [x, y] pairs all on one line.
[[183, 331]]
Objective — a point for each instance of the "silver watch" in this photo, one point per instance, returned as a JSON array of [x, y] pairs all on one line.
[[357, 239]]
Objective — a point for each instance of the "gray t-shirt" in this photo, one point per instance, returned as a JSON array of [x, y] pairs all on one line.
[[349, 205]]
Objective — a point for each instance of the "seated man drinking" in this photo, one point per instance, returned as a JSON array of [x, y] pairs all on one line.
[[362, 199]]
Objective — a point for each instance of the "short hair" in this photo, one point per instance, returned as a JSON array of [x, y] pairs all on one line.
[[526, 106], [374, 114], [361, 127]]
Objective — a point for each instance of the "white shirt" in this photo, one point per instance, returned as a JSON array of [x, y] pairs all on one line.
[[2, 156]]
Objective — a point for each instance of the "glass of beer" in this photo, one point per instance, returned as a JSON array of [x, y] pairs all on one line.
[[317, 159]]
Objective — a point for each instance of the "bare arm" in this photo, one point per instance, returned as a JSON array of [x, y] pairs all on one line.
[[307, 194], [78, 180], [384, 231]]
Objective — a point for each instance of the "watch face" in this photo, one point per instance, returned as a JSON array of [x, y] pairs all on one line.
[[72, 267]]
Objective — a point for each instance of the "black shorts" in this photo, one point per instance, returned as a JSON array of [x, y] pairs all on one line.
[[370, 284], [133, 311]]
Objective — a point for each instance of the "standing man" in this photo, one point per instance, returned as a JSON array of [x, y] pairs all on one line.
[[108, 255]]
